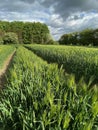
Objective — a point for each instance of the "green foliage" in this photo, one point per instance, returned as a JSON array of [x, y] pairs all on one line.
[[17, 27], [39, 96], [1, 36], [86, 37], [10, 38], [64, 39], [96, 37], [27, 32], [1, 40], [52, 42]]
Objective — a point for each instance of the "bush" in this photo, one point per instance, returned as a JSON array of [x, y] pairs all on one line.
[[10, 38], [1, 40], [52, 42]]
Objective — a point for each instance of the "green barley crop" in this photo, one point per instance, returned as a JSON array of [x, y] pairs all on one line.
[[81, 61], [39, 96]]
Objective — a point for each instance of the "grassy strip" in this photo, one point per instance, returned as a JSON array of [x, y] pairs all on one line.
[[81, 61], [5, 51], [40, 96]]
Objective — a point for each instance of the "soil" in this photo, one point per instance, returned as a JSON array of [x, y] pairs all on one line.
[[4, 69]]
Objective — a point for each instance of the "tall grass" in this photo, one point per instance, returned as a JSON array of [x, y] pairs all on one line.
[[81, 61], [5, 51], [39, 96]]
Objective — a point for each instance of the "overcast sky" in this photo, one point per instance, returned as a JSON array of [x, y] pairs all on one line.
[[61, 16]]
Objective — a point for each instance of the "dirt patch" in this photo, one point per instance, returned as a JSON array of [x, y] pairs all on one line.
[[4, 69]]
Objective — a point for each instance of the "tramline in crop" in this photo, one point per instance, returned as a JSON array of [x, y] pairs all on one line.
[[81, 61], [5, 51]]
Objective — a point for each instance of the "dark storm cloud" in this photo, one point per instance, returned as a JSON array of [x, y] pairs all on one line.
[[62, 7], [16, 5], [13, 6], [75, 14], [67, 7], [28, 1]]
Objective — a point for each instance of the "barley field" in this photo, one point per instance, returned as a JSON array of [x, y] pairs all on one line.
[[39, 95]]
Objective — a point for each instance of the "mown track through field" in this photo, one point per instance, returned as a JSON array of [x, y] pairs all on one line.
[[4, 69]]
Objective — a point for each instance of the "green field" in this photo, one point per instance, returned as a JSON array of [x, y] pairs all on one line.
[[5, 51], [39, 95], [81, 61]]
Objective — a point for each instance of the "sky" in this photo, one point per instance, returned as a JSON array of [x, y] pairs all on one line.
[[61, 16]]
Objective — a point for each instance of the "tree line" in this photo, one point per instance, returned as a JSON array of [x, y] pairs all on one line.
[[24, 32], [86, 37]]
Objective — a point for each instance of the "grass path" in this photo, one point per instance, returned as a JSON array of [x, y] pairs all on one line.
[[4, 69]]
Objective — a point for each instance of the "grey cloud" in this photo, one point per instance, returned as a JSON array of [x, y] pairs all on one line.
[[67, 10], [17, 5], [28, 1], [67, 7], [62, 16], [74, 24], [62, 7], [11, 6]]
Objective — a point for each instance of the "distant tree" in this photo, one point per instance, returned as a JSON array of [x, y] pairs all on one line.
[[17, 27], [1, 41], [95, 37], [45, 34], [64, 40], [10, 38], [35, 33], [27, 32], [48, 38], [5, 26], [68, 39], [52, 42], [73, 38], [86, 37]]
